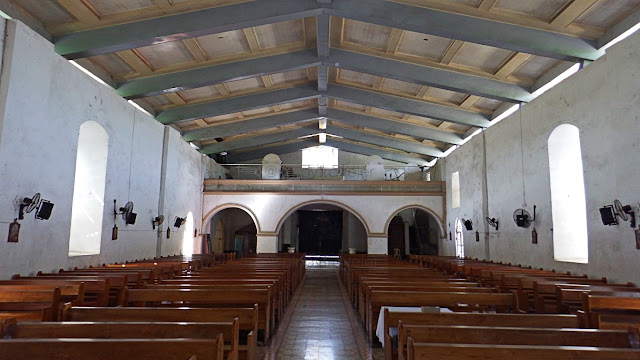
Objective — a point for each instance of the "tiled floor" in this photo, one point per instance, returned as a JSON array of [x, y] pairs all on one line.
[[320, 326]]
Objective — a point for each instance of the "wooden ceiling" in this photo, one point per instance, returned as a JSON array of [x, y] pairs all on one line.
[[405, 78]]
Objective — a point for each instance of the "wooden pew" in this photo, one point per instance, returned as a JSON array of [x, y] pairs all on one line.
[[452, 300], [42, 305], [11, 329], [110, 349], [612, 310], [391, 320], [248, 319], [423, 351], [206, 298], [514, 336], [96, 292]]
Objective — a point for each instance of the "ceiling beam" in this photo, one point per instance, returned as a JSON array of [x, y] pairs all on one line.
[[385, 141], [467, 28], [182, 26], [258, 140], [407, 105], [247, 126], [258, 154], [368, 150], [430, 76], [398, 127], [237, 104], [216, 74], [339, 92]]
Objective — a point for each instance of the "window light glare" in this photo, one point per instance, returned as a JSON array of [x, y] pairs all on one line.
[[622, 36], [90, 74], [322, 138], [572, 70], [449, 150], [464, 141], [505, 114], [139, 107], [5, 15]]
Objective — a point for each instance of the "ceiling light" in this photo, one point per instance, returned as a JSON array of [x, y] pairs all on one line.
[[322, 138], [322, 123]]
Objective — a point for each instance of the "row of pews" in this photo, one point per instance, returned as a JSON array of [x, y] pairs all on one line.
[[172, 308], [441, 307]]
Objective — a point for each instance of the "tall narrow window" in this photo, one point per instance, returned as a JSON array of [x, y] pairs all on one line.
[[459, 240], [568, 204], [455, 190], [88, 190], [187, 236]]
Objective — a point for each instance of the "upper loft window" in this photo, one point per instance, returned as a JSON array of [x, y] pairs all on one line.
[[568, 203], [88, 190], [320, 157]]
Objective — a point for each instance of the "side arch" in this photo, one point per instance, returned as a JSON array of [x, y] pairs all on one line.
[[421, 207], [323, 201], [219, 208]]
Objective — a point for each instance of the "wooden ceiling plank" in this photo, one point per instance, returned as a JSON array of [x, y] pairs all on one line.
[[511, 65], [140, 14], [80, 11], [163, 4], [486, 4], [176, 98], [470, 101], [452, 51], [267, 81], [394, 40], [201, 122], [571, 12], [222, 89], [252, 39], [136, 61], [195, 49]]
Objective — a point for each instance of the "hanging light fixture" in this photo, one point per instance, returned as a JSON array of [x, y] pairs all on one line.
[[322, 123]]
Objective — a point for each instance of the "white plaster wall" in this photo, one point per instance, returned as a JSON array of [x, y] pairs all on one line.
[[183, 191], [43, 101], [468, 161], [603, 101]]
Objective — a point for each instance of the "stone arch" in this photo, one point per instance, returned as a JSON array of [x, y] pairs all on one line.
[[217, 209], [423, 208], [323, 201]]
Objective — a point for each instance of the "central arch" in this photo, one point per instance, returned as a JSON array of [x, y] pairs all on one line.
[[322, 201]]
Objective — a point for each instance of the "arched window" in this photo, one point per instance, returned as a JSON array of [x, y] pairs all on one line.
[[459, 240], [88, 190], [187, 236], [568, 203]]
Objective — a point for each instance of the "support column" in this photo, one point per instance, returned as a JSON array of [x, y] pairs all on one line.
[[267, 244], [377, 244], [406, 238]]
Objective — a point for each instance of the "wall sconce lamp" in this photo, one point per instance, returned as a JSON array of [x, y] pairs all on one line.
[[468, 224], [157, 221], [179, 222], [492, 222]]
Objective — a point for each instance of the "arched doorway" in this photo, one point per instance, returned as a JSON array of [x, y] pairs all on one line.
[[413, 231], [232, 230], [322, 229]]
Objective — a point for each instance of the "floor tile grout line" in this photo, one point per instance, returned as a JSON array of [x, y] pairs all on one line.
[[358, 333], [276, 343]]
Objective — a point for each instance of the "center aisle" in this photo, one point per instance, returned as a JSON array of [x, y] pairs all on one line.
[[320, 326]]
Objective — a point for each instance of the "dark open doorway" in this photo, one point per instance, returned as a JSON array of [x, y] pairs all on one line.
[[320, 232]]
